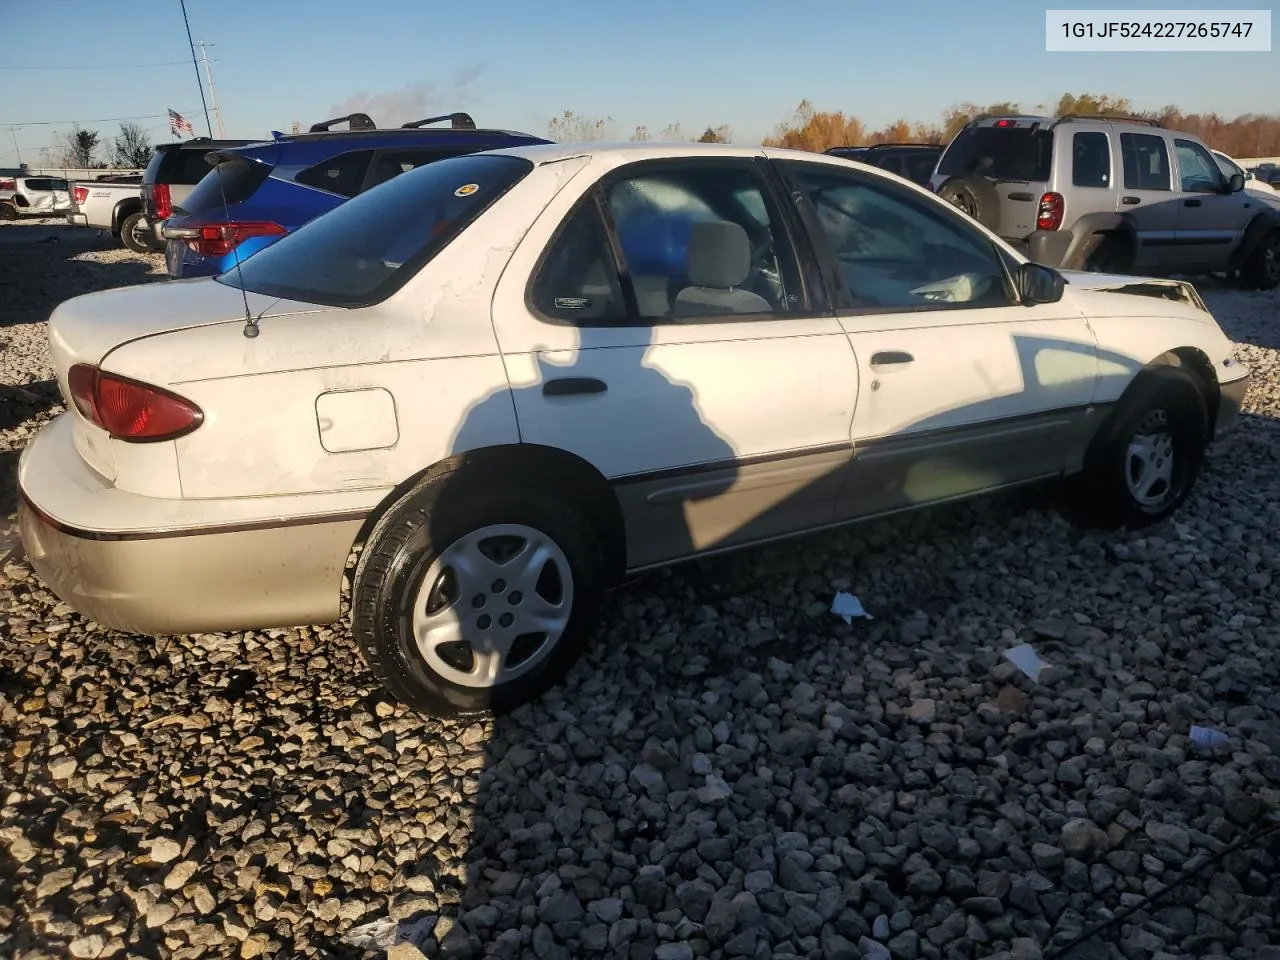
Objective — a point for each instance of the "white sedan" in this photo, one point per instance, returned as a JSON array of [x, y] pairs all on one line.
[[513, 377]]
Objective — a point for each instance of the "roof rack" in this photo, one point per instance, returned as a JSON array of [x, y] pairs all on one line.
[[879, 146], [458, 121], [354, 121], [1106, 118]]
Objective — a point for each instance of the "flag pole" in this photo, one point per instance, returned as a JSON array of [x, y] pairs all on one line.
[[196, 66]]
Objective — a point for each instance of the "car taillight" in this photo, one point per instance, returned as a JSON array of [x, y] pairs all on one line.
[[128, 409], [163, 202], [8, 184], [218, 239], [82, 194], [1049, 217]]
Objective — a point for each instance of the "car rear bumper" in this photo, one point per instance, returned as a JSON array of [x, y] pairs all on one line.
[[1231, 396], [151, 573]]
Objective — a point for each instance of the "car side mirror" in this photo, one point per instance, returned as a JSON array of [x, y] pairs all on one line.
[[1235, 183], [1040, 284]]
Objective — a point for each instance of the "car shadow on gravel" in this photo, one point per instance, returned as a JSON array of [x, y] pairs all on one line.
[[36, 277]]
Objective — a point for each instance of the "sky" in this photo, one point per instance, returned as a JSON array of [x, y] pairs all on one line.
[[515, 64]]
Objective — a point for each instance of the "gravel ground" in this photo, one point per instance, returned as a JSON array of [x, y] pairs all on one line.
[[732, 772]]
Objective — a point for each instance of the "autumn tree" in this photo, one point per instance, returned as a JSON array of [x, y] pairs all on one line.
[[897, 132], [809, 129], [718, 134], [569, 127], [1093, 105], [132, 148], [78, 147]]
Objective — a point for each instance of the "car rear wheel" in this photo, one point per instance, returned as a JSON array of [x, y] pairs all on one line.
[[133, 233], [1144, 463], [476, 602], [1262, 270], [8, 211]]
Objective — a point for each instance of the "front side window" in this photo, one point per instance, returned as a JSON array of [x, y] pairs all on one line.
[[701, 239], [1146, 162], [365, 249], [1090, 160], [342, 174], [1228, 168], [896, 253], [1197, 168]]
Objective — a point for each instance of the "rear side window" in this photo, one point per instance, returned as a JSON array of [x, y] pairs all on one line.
[[578, 280], [1090, 160], [1146, 161], [231, 181], [392, 163], [39, 183], [1014, 153], [919, 166], [363, 250], [342, 174]]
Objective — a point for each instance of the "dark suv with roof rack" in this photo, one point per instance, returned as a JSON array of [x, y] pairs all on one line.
[[256, 193], [914, 161], [1112, 195]]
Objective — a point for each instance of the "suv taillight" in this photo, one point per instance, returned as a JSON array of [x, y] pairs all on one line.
[[219, 239], [164, 203], [1049, 217], [8, 184], [128, 409], [82, 194]]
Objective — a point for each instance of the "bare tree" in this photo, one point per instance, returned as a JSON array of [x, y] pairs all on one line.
[[641, 134], [571, 128], [78, 147], [672, 133], [132, 148]]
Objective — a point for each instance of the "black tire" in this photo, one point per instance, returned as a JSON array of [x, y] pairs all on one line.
[[1113, 255], [974, 195], [401, 552], [1262, 270], [130, 233], [8, 211], [1165, 403]]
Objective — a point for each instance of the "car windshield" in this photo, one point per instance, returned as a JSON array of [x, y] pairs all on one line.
[[364, 250], [1016, 153]]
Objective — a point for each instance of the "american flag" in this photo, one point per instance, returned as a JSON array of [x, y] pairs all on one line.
[[178, 125]]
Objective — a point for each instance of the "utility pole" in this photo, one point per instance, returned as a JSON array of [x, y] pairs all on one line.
[[213, 94], [16, 148], [196, 66]]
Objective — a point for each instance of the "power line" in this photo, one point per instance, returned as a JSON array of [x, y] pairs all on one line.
[[105, 66], [54, 123]]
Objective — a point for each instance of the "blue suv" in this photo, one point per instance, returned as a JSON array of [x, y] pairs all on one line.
[[258, 192]]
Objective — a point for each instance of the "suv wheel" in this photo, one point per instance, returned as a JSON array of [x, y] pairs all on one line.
[[1113, 255], [476, 604], [133, 233], [976, 196], [8, 211], [1145, 461], [1262, 270]]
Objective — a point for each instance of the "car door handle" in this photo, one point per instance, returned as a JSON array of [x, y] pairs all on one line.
[[1130, 201], [1191, 203], [888, 357], [573, 386]]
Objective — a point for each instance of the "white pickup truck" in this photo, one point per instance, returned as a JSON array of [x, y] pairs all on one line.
[[114, 205]]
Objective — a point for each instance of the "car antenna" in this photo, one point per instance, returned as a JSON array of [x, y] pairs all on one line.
[[250, 322]]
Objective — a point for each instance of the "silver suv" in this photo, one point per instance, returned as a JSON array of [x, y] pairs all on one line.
[[1110, 194]]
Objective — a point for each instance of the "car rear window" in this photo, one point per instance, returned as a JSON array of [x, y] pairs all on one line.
[[363, 251], [231, 181], [1016, 153], [184, 167]]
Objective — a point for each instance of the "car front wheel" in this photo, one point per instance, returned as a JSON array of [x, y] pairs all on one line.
[[1146, 461], [475, 601]]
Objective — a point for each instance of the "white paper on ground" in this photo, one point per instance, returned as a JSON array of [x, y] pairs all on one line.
[[1025, 658], [847, 606], [1207, 736]]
